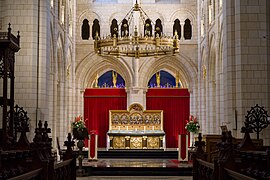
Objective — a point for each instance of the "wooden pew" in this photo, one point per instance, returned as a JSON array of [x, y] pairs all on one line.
[[211, 141], [233, 161], [36, 161]]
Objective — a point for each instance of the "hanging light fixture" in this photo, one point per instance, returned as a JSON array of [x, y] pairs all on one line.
[[135, 45]]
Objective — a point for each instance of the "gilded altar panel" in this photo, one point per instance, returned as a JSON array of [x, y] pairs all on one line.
[[119, 142], [136, 142], [136, 128], [135, 118], [153, 142]]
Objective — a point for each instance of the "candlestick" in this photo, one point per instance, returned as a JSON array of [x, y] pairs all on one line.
[[153, 127], [127, 128], [143, 128]]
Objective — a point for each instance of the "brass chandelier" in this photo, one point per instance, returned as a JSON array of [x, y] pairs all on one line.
[[136, 45]]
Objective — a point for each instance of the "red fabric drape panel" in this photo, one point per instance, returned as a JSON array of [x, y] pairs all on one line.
[[175, 106], [97, 103]]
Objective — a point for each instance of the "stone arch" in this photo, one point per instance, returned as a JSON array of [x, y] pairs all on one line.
[[90, 16], [182, 14], [172, 64], [87, 69], [154, 15]]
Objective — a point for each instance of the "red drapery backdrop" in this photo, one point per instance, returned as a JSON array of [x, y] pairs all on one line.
[[175, 106], [97, 103]]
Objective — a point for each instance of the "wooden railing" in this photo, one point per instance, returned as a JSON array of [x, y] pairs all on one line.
[[36, 161], [232, 162]]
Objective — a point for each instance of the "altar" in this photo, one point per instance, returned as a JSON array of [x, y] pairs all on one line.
[[136, 129]]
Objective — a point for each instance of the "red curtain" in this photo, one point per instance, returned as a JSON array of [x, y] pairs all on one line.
[[97, 103], [175, 106]]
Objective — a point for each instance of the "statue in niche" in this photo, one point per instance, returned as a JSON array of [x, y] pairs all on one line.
[[136, 119], [115, 119], [176, 80], [114, 75], [68, 70], [96, 81], [140, 120], [158, 79], [147, 119], [156, 119], [204, 72], [124, 119]]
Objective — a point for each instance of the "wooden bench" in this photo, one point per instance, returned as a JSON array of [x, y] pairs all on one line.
[[36, 160], [233, 161]]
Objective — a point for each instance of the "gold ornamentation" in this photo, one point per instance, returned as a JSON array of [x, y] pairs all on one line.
[[119, 142], [153, 142], [204, 72], [136, 142], [158, 79], [136, 107], [136, 119], [96, 81], [136, 45], [114, 75], [177, 79], [68, 70]]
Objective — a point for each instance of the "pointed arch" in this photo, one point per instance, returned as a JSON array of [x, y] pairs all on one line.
[[173, 64], [166, 79], [95, 28], [106, 80], [88, 68], [124, 28], [187, 29], [177, 28], [158, 28], [85, 29], [148, 27], [114, 28]]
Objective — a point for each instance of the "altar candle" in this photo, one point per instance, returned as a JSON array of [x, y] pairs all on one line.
[[143, 128], [118, 128], [153, 128], [127, 128]]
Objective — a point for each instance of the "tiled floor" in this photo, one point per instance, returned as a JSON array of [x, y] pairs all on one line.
[[136, 178], [137, 163], [164, 163], [134, 163]]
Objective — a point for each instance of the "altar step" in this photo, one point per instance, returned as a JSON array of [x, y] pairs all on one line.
[[136, 167], [133, 171], [138, 154]]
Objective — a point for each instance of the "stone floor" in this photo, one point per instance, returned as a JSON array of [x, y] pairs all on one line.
[[165, 163], [136, 178], [137, 163]]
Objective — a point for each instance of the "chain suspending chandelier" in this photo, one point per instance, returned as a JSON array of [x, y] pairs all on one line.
[[135, 45]]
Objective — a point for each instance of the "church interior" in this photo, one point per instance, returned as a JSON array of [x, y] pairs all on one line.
[[134, 88]]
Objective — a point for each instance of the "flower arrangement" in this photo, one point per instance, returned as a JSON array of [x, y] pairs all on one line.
[[192, 124], [79, 129]]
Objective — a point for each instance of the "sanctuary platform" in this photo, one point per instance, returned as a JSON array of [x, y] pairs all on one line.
[[136, 163]]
